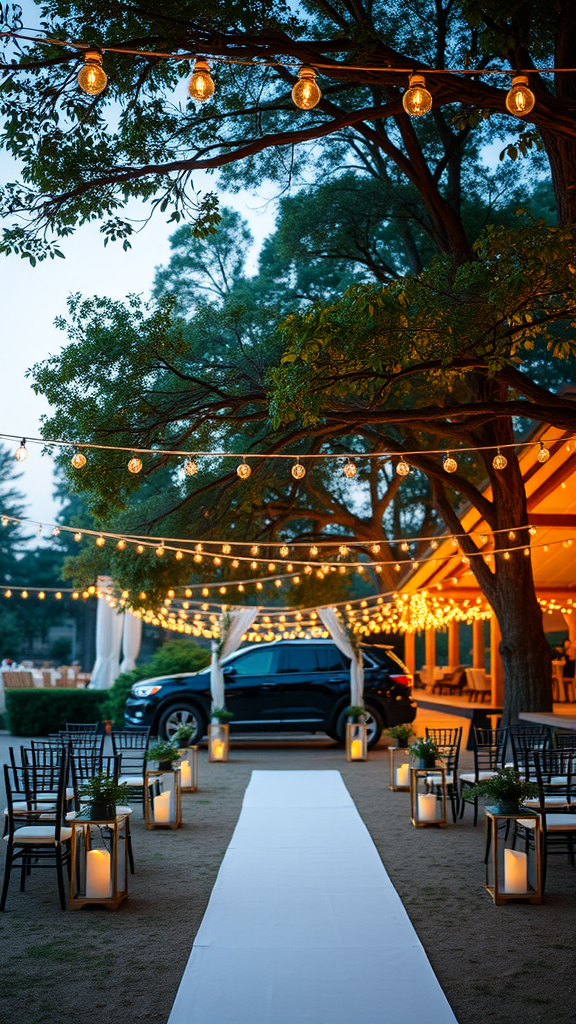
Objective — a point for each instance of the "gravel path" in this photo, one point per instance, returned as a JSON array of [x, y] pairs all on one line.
[[494, 963]]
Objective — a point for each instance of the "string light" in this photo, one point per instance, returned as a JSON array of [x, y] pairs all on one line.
[[349, 469], [298, 471], [244, 470], [135, 464], [160, 551], [417, 100], [121, 545], [92, 78], [78, 536], [55, 531], [402, 468], [21, 453], [499, 461], [284, 551], [140, 549], [178, 555], [450, 465], [78, 460], [306, 93], [543, 454], [201, 85], [190, 467], [100, 541], [520, 99]]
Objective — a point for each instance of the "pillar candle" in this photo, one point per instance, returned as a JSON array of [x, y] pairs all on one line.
[[162, 808], [427, 807], [97, 874], [515, 871], [403, 775], [217, 749], [186, 775], [356, 752]]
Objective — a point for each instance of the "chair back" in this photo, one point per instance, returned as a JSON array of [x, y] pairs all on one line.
[[132, 745], [448, 743], [565, 741], [27, 784], [489, 749], [84, 766], [525, 740], [18, 680], [90, 727], [555, 771]]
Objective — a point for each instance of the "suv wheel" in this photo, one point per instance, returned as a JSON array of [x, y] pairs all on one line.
[[374, 724], [181, 714]]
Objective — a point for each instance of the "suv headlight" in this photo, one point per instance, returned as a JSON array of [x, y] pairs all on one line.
[[144, 689]]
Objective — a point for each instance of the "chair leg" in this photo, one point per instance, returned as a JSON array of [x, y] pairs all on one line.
[[7, 870], [130, 853], [475, 811], [60, 875], [23, 873]]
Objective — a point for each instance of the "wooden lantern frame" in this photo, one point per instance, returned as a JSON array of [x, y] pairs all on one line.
[[189, 754], [356, 732], [218, 732], [392, 751], [437, 787], [154, 785], [83, 832], [500, 834]]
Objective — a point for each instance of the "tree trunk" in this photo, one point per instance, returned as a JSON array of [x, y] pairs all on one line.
[[524, 648], [562, 156]]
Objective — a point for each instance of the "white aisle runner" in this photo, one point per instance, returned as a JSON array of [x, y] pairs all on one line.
[[303, 924]]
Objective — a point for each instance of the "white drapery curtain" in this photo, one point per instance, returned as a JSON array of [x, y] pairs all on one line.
[[131, 638], [108, 640], [336, 629], [239, 621]]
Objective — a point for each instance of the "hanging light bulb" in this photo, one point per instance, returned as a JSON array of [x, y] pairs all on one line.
[[55, 531], [520, 99], [402, 468], [243, 470], [499, 461], [284, 551], [78, 536], [201, 85], [92, 78], [417, 100], [78, 460], [160, 551], [543, 454], [298, 471], [350, 469], [313, 551], [140, 549], [135, 464], [21, 453], [178, 555], [100, 541], [121, 545], [434, 545], [532, 531], [190, 467], [450, 465], [306, 93], [404, 546], [343, 549]]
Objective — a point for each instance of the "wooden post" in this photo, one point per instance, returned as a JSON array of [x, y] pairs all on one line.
[[496, 666], [453, 643], [570, 621], [410, 652], [478, 643], [430, 635]]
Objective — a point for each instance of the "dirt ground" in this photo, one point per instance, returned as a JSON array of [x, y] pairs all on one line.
[[495, 964]]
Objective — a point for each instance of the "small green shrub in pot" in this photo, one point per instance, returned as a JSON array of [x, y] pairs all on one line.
[[165, 752], [506, 789], [221, 715], [103, 793], [426, 752], [183, 735], [401, 733], [356, 713]]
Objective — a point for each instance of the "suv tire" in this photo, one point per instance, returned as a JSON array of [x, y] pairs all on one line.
[[373, 721], [181, 713]]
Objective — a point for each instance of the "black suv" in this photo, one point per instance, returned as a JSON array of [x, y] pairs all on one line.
[[290, 686]]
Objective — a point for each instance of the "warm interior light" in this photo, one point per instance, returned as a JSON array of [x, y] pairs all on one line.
[[417, 100], [520, 99], [92, 78], [201, 85], [306, 93]]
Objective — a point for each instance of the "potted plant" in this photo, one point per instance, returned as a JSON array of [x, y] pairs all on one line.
[[221, 715], [507, 789], [104, 792], [165, 752], [356, 714], [183, 735], [426, 752], [401, 733]]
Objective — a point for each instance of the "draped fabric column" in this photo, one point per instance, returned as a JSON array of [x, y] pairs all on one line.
[[131, 637], [108, 640], [340, 637], [232, 628]]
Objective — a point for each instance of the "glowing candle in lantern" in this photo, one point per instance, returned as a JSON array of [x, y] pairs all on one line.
[[427, 806], [515, 871], [356, 752], [403, 775], [97, 874], [186, 775], [217, 749], [162, 808]]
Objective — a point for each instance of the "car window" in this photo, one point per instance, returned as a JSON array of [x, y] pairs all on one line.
[[330, 659], [299, 659], [256, 663]]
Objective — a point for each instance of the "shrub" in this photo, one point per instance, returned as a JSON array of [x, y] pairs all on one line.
[[174, 656], [39, 712]]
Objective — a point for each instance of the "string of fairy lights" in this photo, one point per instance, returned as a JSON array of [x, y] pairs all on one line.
[[191, 461], [417, 99]]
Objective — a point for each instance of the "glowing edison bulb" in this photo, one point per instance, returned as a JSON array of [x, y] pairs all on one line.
[[306, 93], [313, 551], [450, 465], [190, 467], [140, 549], [350, 469], [226, 549], [178, 555], [21, 453], [201, 85], [243, 470], [298, 471], [284, 551], [343, 549], [417, 100], [92, 78], [520, 99], [543, 454], [160, 551], [78, 460], [100, 541], [78, 537], [499, 461], [135, 465], [402, 468], [121, 545], [254, 550]]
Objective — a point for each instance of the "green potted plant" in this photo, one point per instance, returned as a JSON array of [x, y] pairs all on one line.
[[401, 733], [221, 715], [426, 752], [183, 735], [507, 789], [165, 752], [104, 792], [356, 714]]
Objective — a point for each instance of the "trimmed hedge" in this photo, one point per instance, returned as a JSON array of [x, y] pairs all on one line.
[[38, 712]]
